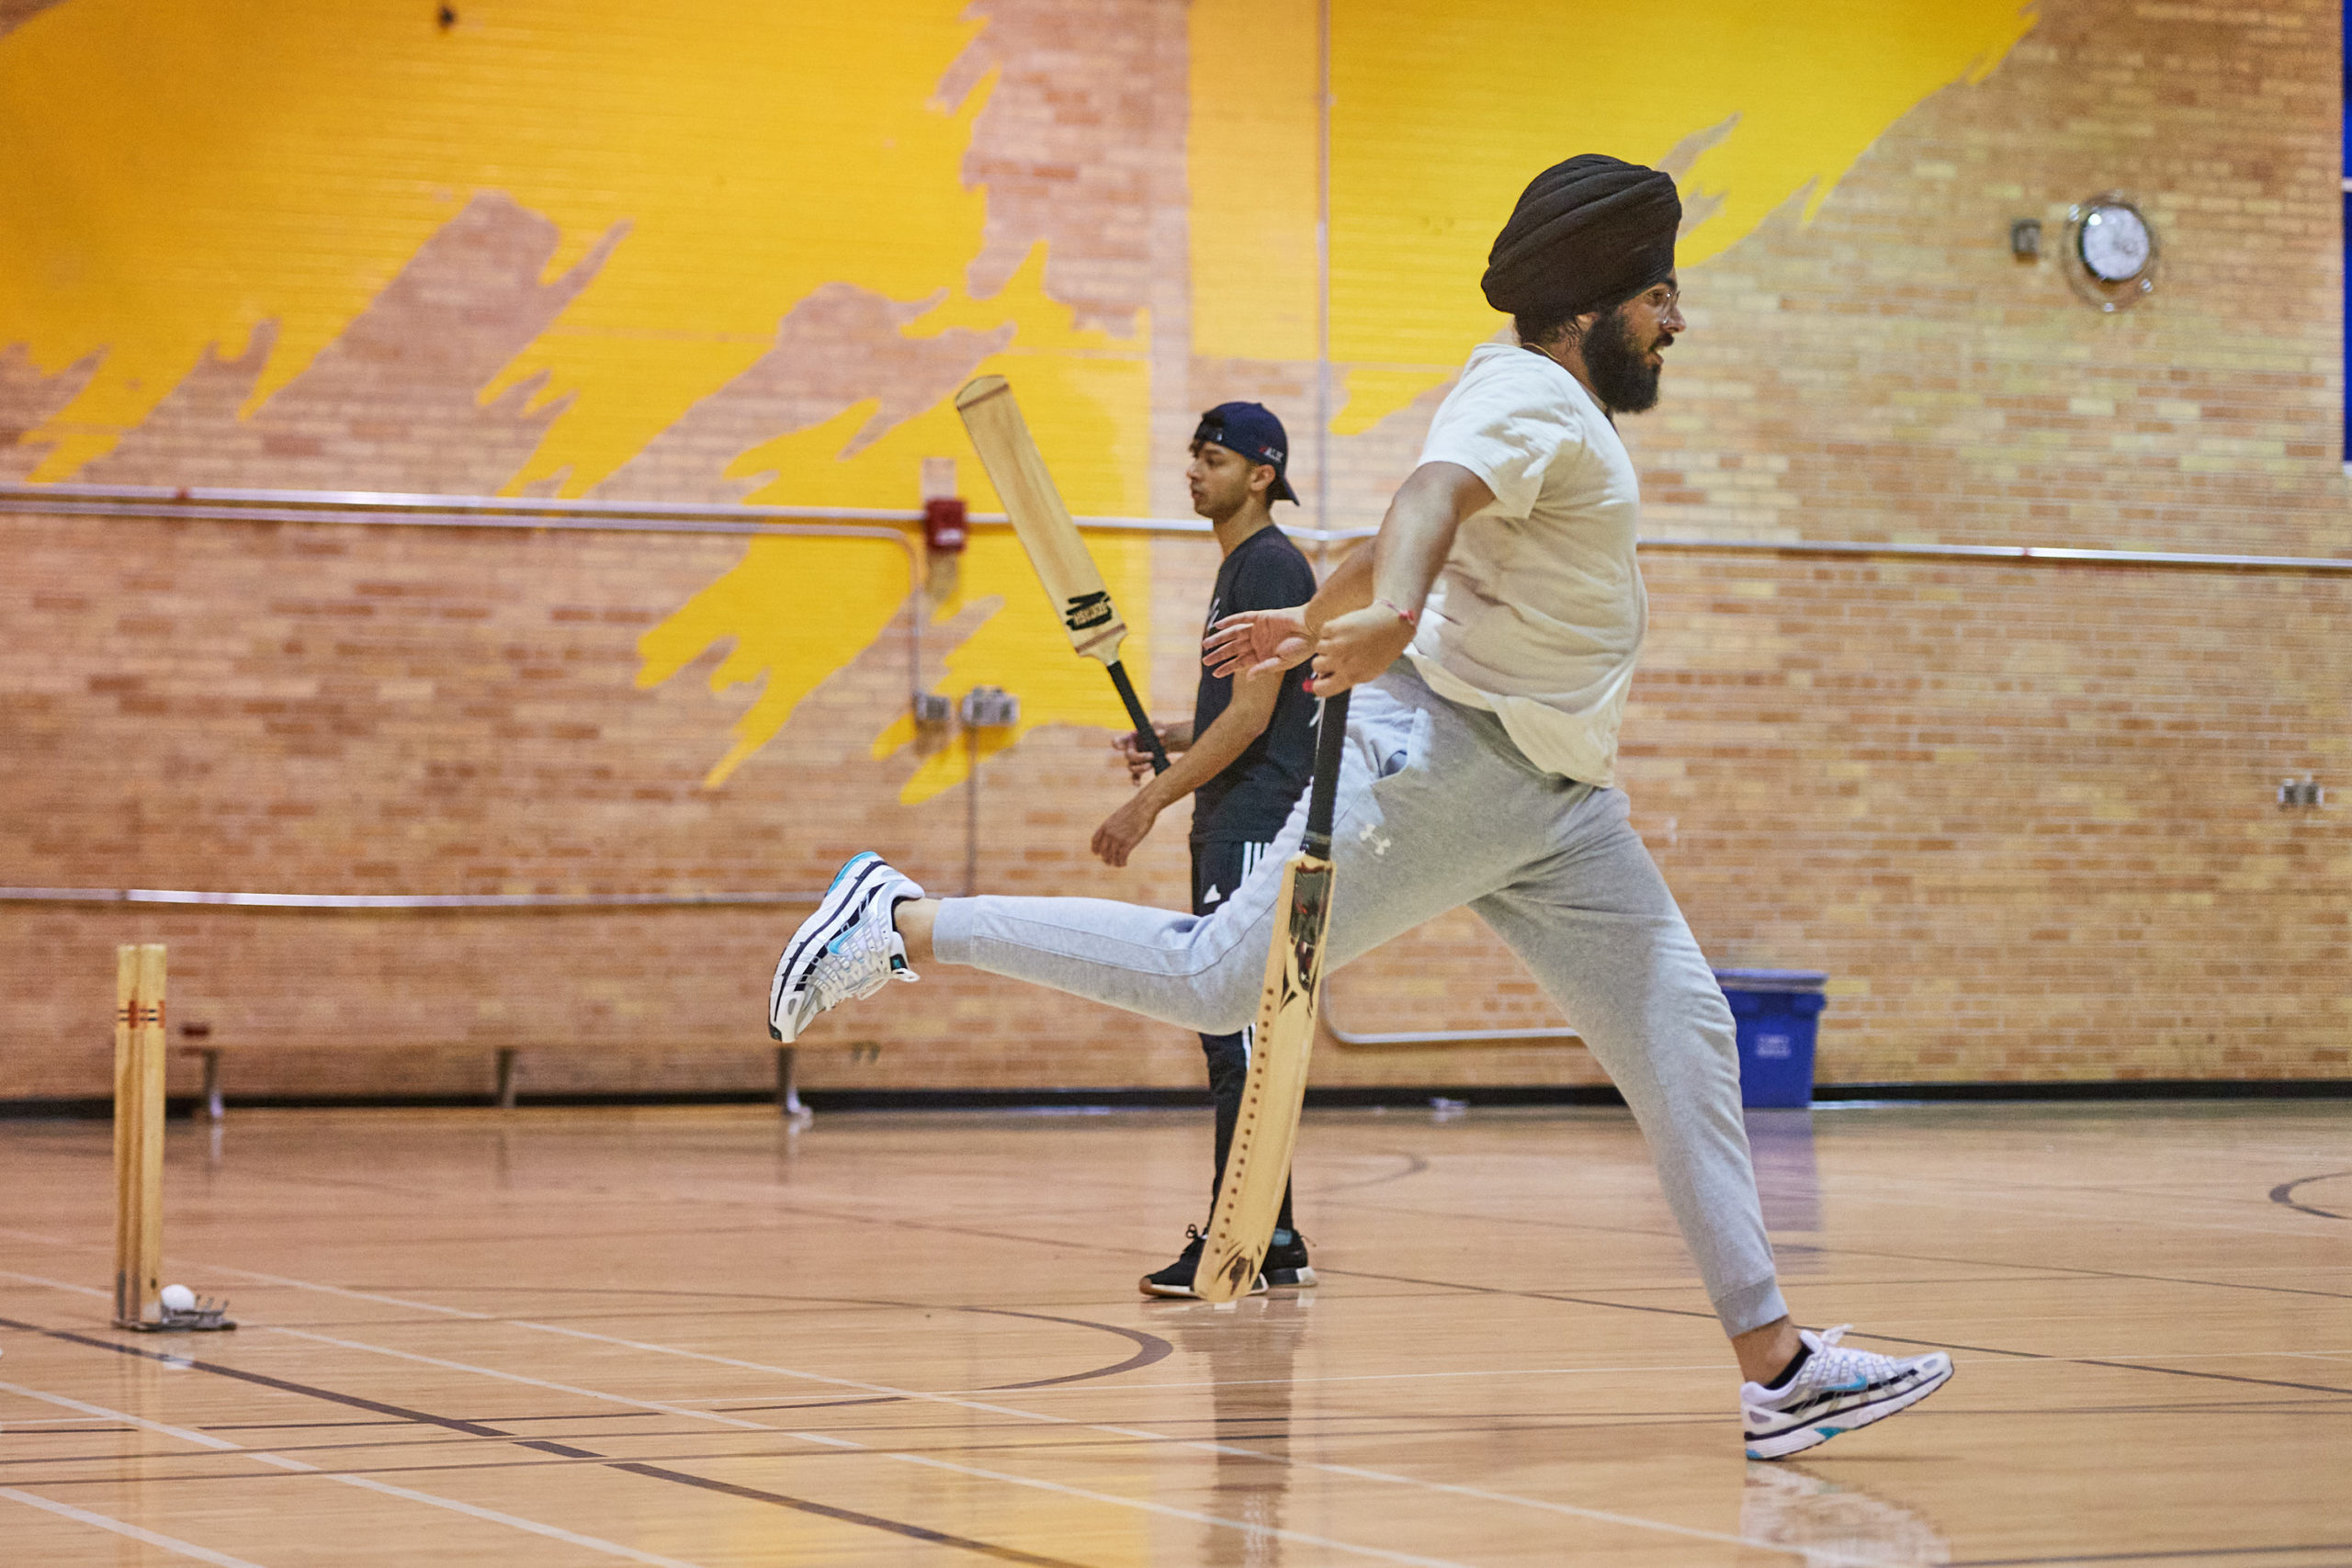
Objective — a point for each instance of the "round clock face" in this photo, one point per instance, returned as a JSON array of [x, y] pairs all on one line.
[[2115, 244]]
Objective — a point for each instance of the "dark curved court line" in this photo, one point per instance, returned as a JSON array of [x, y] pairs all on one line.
[[2285, 1193], [657, 1472], [2026, 1269], [847, 1516], [1414, 1164], [1523, 1295], [482, 1429], [1889, 1339], [1149, 1347]]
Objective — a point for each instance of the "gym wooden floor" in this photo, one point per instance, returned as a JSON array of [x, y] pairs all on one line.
[[555, 1337]]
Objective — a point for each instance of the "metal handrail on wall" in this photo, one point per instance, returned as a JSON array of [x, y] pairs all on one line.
[[895, 525], [394, 510]]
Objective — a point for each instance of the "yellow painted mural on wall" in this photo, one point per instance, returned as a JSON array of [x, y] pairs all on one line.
[[1442, 111], [180, 178], [796, 610], [1436, 129]]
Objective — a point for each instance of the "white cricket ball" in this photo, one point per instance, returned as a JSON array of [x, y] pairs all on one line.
[[178, 1298]]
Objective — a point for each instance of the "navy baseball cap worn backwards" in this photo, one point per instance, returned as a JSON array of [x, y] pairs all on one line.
[[1251, 431]]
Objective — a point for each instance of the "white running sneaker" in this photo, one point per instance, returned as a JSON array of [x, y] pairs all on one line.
[[1837, 1390], [849, 948]]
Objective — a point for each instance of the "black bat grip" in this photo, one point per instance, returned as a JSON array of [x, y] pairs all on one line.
[[1331, 735], [1144, 733]]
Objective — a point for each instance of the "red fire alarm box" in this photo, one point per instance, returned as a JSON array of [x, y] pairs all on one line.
[[943, 523]]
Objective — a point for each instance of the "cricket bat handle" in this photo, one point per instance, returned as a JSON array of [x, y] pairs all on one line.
[[1330, 736], [1144, 733]]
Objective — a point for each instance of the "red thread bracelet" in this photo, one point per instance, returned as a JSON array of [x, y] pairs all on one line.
[[1411, 620]]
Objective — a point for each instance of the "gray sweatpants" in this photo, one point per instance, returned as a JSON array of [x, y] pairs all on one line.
[[1437, 809]]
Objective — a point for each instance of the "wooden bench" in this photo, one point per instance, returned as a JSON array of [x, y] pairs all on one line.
[[196, 1042]]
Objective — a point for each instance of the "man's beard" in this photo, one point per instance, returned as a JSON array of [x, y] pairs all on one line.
[[1218, 506], [1623, 376]]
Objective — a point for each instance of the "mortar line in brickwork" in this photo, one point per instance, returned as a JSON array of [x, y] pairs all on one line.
[[493, 511], [371, 509]]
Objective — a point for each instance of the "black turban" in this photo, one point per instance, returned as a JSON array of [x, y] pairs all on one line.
[[1586, 235]]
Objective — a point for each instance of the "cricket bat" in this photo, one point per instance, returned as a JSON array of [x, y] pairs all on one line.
[[1042, 526], [1256, 1163]]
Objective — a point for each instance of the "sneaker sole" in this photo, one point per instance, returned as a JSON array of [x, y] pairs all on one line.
[[840, 894], [1299, 1278], [1151, 1287], [1780, 1445]]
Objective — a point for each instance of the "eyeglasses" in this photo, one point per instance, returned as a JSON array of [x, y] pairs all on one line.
[[1662, 299]]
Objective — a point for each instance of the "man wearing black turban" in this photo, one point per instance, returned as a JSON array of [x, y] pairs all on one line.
[[1492, 628], [1585, 270]]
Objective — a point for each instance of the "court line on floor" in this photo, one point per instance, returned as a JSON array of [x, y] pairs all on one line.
[[2284, 1193], [2004, 1199], [829, 1440], [1169, 1440], [1992, 1358], [1144, 1356], [136, 1532], [1571, 1510], [57, 1284], [562, 1451], [818, 1439], [1038, 1388], [1151, 1347], [2050, 1270], [279, 1462], [2024, 1273]]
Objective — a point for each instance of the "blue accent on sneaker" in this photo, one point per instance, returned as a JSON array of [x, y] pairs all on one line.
[[838, 954]]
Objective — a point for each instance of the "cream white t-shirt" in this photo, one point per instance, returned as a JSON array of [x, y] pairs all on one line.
[[1539, 611]]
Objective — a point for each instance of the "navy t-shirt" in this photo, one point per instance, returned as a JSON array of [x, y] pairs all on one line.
[[1249, 802]]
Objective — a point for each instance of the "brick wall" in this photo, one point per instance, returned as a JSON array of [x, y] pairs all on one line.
[[2021, 812]]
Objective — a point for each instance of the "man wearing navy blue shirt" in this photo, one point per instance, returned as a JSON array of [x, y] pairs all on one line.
[[1244, 759]]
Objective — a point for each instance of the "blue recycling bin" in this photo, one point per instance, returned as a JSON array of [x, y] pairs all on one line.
[[1776, 1012]]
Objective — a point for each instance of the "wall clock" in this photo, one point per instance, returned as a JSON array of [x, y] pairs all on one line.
[[2110, 254]]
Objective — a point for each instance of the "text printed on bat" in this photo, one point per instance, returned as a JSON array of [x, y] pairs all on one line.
[[1086, 610]]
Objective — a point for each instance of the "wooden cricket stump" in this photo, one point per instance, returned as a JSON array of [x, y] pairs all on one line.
[[139, 1057]]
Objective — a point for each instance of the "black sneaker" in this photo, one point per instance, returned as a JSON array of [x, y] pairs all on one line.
[[1176, 1279], [1286, 1267]]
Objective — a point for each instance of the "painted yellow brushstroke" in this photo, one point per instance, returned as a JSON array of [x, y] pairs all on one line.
[[1370, 393], [795, 613], [1444, 109], [1253, 162], [1086, 394], [177, 174], [1021, 649], [796, 610]]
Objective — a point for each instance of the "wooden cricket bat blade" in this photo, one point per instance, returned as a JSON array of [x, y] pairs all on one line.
[[1043, 524], [1257, 1164], [1065, 568]]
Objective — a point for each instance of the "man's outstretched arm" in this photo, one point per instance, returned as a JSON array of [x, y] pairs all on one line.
[[1350, 634]]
